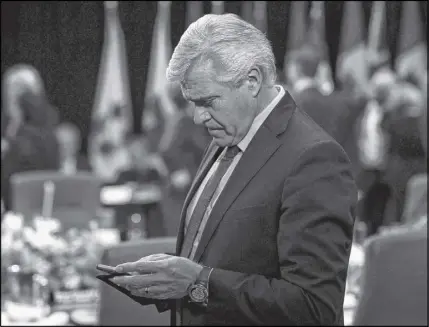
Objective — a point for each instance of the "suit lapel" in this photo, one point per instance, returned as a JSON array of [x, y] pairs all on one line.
[[264, 144], [212, 153], [253, 159]]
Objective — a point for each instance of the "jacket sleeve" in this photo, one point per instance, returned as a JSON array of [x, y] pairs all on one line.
[[314, 241]]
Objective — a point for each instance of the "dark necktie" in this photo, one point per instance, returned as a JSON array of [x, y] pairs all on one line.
[[205, 198]]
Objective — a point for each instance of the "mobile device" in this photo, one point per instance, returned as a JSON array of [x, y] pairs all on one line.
[[110, 270]]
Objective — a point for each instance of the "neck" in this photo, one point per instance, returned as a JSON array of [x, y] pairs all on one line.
[[266, 96]]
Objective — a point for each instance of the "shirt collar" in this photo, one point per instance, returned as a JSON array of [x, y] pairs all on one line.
[[260, 118]]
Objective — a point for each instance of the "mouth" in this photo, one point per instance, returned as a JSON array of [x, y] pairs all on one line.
[[215, 131]]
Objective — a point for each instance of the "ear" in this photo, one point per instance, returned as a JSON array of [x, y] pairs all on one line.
[[254, 81]]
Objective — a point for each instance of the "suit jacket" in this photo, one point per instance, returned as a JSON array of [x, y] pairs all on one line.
[[279, 236], [337, 113]]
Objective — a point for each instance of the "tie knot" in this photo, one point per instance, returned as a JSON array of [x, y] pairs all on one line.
[[231, 152]]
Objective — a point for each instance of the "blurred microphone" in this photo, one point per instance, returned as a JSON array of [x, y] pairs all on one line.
[[48, 199], [111, 4]]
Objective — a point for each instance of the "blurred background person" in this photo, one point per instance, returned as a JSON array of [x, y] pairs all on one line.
[[406, 157], [69, 140], [145, 165], [28, 142], [371, 144], [336, 112], [146, 168]]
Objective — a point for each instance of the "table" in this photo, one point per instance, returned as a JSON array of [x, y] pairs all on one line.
[[77, 317]]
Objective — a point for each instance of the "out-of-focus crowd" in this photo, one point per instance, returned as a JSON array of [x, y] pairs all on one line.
[[34, 139], [381, 125]]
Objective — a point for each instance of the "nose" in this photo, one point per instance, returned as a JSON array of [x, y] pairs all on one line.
[[199, 118]]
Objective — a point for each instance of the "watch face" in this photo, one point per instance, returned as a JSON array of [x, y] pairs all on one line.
[[198, 293]]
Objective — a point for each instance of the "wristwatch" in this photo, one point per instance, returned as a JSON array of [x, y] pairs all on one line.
[[199, 291]]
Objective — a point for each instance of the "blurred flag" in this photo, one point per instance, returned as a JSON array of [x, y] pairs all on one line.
[[218, 7], [297, 29], [112, 111], [247, 11], [158, 107], [412, 50], [351, 62], [316, 38], [260, 15], [378, 53], [194, 10]]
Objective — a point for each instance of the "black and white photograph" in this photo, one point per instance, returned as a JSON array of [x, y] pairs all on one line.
[[214, 163]]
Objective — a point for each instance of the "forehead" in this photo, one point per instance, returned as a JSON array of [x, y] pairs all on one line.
[[200, 82]]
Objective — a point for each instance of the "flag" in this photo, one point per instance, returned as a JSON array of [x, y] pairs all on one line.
[[412, 50], [112, 111], [296, 30], [351, 60], [247, 11], [158, 107], [317, 38], [297, 25], [378, 53], [194, 10], [218, 7], [260, 15]]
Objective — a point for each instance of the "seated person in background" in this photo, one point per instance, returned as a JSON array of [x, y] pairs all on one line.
[[71, 161], [25, 146], [146, 167]]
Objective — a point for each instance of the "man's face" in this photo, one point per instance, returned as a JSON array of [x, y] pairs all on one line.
[[227, 112]]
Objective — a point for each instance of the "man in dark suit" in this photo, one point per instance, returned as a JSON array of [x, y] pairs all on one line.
[[266, 228], [337, 112]]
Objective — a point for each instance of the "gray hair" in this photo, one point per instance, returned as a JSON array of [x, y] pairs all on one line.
[[233, 44]]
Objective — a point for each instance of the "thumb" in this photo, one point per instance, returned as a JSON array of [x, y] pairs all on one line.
[[126, 267]]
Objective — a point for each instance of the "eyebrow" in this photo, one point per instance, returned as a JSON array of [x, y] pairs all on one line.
[[202, 99]]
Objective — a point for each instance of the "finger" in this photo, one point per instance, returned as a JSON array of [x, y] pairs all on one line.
[[132, 281], [138, 281], [126, 267], [156, 257], [150, 266], [160, 292]]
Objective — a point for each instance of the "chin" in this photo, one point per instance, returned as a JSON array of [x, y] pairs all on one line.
[[222, 142]]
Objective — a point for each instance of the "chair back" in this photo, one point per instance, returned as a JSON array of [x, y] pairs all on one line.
[[394, 278], [76, 197], [116, 309]]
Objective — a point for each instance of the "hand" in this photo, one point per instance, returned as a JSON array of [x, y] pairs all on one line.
[[159, 276]]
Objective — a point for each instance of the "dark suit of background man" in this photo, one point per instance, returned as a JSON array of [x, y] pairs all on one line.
[[337, 113], [274, 240]]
